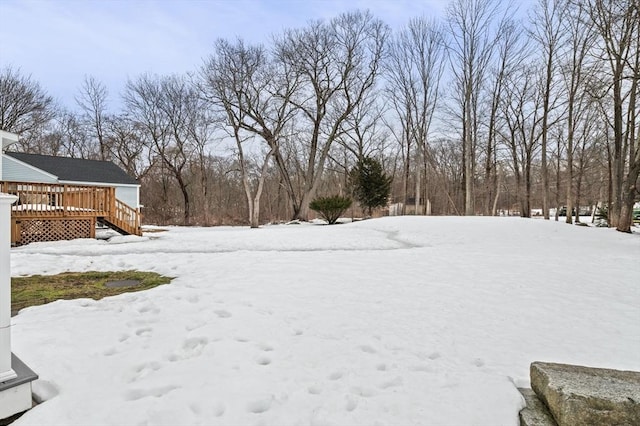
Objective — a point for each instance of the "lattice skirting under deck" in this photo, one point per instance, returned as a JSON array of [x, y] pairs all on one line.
[[37, 230]]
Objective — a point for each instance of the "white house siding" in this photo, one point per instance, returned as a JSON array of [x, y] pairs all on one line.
[[16, 171], [128, 195]]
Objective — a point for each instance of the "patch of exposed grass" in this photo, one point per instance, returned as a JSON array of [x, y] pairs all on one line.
[[41, 289]]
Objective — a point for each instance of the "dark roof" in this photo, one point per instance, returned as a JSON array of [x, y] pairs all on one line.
[[76, 169]]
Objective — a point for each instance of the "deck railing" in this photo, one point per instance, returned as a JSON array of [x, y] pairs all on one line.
[[50, 200]]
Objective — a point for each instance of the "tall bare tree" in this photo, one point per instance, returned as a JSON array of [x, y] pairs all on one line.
[[470, 45], [510, 54], [414, 70], [547, 31], [253, 92], [521, 113], [580, 37], [337, 63]]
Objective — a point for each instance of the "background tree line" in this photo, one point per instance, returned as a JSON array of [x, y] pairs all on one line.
[[477, 113]]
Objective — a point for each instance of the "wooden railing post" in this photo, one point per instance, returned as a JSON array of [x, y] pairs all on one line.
[[64, 200]]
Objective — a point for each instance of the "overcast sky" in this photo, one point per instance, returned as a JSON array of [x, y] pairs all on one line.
[[58, 42]]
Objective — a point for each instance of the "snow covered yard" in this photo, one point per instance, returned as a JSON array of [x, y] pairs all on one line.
[[393, 321]]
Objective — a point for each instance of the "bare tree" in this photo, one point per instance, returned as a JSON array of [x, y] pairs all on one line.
[[470, 45], [617, 23], [511, 53], [25, 108], [547, 31], [126, 140], [414, 70], [580, 38], [254, 94], [521, 113], [337, 64], [92, 101], [164, 106]]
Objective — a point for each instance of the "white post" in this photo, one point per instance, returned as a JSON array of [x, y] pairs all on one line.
[[6, 372]]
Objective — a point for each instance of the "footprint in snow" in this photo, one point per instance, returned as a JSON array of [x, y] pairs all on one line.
[[314, 390], [391, 383], [260, 405], [158, 392], [423, 368], [148, 308], [221, 313], [265, 347], [143, 370], [191, 348], [368, 349], [336, 375], [478, 362], [352, 404], [144, 331], [263, 360], [110, 351], [364, 392]]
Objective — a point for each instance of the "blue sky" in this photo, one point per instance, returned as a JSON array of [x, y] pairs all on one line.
[[58, 42]]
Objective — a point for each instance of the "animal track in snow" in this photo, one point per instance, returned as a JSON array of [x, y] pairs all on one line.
[[381, 367], [221, 313], [434, 355]]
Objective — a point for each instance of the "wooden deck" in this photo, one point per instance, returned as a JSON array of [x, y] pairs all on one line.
[[50, 212]]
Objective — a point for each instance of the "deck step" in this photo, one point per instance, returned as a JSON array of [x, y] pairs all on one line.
[[111, 224]]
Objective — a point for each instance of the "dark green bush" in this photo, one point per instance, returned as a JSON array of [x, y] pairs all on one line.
[[330, 208], [370, 184]]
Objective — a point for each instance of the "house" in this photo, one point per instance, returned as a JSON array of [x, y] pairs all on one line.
[[21, 167], [64, 198]]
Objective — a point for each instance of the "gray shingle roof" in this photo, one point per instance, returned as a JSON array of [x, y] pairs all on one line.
[[76, 169]]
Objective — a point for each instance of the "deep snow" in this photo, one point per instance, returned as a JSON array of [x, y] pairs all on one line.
[[393, 321]]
